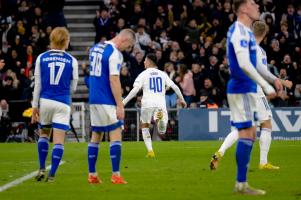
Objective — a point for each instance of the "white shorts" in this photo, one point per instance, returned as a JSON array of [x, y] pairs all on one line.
[[263, 109], [243, 109], [54, 114], [104, 118], [147, 114]]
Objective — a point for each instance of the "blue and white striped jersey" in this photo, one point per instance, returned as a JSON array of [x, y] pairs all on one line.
[[240, 39], [105, 60], [56, 70]]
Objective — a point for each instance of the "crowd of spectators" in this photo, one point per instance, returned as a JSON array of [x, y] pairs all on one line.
[[189, 38], [24, 31]]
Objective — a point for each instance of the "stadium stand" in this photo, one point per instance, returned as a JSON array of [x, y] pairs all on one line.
[[190, 35]]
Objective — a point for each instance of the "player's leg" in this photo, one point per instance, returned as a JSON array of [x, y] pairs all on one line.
[[57, 152], [45, 114], [231, 138], [93, 149], [146, 116], [60, 124], [147, 138], [265, 116], [115, 154], [264, 144], [43, 148], [243, 115], [161, 118], [98, 123]]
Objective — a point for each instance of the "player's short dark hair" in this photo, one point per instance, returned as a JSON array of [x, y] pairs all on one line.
[[237, 3], [152, 57]]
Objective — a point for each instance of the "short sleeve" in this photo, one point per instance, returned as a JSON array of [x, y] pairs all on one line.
[[115, 62]]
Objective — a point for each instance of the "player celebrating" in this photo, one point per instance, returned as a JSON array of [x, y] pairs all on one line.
[[264, 112], [242, 87], [106, 108], [56, 74], [153, 83]]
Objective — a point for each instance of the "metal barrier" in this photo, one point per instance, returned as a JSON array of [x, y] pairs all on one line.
[[131, 132]]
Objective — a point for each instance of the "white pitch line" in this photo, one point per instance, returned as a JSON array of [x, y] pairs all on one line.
[[24, 178]]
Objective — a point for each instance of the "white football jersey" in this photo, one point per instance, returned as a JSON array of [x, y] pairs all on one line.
[[261, 63], [153, 83]]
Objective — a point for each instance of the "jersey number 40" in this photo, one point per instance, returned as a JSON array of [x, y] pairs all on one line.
[[155, 84]]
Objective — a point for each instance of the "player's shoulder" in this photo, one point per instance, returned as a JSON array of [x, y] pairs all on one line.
[[41, 55], [237, 31]]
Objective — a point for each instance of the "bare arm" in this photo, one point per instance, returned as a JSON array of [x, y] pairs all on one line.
[[116, 90]]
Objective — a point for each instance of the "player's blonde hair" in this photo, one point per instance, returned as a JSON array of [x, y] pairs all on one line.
[[59, 38], [260, 28]]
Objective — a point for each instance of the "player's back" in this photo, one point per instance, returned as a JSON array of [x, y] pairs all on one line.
[[240, 38], [56, 71], [105, 60], [153, 83]]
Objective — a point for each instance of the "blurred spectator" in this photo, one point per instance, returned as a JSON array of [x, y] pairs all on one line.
[[283, 97], [210, 95], [5, 123], [198, 78], [170, 97], [102, 23], [125, 80], [142, 38], [185, 80]]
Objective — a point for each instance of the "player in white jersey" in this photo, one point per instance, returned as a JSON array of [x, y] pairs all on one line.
[[264, 112], [106, 107], [56, 75], [242, 87], [153, 83]]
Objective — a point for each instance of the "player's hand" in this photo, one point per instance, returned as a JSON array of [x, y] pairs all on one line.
[[35, 115], [120, 112], [278, 85], [183, 103], [269, 91], [288, 84]]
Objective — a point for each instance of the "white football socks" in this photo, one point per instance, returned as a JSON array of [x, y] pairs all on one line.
[[147, 139], [264, 144], [231, 138]]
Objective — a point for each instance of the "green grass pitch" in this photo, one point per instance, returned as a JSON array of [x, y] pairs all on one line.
[[179, 171]]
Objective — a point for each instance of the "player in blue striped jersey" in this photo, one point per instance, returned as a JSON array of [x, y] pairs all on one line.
[[56, 75], [242, 87], [106, 108], [264, 111]]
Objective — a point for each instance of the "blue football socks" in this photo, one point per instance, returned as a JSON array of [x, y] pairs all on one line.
[[115, 153], [57, 154], [243, 152], [92, 156], [43, 146]]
